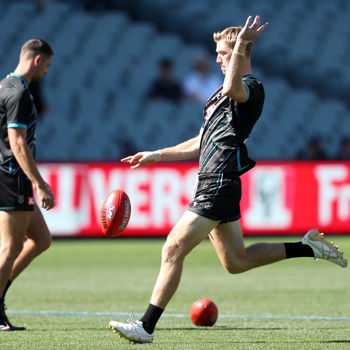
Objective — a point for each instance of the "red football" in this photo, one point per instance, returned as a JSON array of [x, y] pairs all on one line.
[[115, 213], [204, 312]]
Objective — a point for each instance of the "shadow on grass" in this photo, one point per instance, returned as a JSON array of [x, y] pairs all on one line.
[[224, 328], [335, 341], [64, 330], [221, 329]]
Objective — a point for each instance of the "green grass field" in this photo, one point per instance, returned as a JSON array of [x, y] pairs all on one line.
[[68, 295]]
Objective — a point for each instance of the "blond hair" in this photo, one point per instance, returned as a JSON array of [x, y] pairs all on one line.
[[229, 35]]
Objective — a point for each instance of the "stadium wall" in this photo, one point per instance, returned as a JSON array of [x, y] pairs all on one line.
[[278, 197]]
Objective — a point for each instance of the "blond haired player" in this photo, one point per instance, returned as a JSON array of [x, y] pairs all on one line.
[[230, 115], [23, 231]]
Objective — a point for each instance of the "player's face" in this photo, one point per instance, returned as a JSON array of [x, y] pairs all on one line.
[[224, 53], [42, 67]]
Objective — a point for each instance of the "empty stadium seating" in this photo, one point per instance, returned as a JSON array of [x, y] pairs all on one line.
[[105, 62]]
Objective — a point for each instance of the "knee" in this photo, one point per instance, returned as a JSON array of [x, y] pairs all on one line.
[[43, 243], [237, 266], [171, 252], [235, 269]]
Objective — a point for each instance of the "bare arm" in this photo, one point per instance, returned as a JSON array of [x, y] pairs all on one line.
[[233, 86], [185, 150], [24, 157]]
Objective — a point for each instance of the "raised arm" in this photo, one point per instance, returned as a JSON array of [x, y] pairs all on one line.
[[239, 64], [185, 150]]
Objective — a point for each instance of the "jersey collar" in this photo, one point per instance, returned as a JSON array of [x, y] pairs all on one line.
[[20, 76], [248, 76]]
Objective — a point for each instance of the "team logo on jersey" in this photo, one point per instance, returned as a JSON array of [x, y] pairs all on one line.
[[202, 197], [210, 110], [208, 205], [31, 201], [20, 199], [1, 86]]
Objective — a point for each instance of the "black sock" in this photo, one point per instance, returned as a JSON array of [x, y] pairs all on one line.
[[151, 317], [2, 299], [5, 291], [298, 250]]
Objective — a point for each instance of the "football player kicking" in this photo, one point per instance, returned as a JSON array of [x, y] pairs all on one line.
[[230, 115]]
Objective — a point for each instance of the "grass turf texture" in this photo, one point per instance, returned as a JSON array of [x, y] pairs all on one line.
[[109, 275]]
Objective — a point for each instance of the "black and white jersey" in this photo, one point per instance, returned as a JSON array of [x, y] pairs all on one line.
[[227, 124], [17, 110]]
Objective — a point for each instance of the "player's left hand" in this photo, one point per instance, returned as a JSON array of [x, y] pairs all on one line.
[[250, 32]]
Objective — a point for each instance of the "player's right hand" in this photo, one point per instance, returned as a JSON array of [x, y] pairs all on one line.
[[45, 195], [142, 158]]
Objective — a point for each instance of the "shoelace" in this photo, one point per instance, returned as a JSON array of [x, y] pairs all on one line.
[[131, 318]]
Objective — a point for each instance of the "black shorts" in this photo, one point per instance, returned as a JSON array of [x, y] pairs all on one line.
[[217, 197], [16, 192]]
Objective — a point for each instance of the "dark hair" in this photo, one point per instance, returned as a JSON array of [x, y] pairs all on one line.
[[166, 63], [37, 47]]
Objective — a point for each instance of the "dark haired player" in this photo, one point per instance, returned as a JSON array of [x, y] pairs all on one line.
[[230, 115], [23, 231]]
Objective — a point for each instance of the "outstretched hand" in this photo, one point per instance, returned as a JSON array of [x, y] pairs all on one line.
[[142, 158], [250, 32]]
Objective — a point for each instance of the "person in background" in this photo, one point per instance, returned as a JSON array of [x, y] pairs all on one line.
[[344, 149], [313, 150], [201, 82], [165, 87]]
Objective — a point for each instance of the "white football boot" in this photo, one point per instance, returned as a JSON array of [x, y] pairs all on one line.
[[324, 249], [134, 332]]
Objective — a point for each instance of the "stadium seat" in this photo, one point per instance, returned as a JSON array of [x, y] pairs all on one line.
[[105, 62]]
